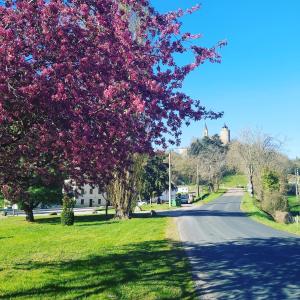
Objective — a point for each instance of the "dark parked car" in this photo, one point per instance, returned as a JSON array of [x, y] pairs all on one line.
[[184, 198]]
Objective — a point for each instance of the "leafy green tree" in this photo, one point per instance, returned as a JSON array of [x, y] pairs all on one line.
[[201, 145], [271, 181], [155, 177], [42, 195], [36, 190], [183, 169], [209, 155]]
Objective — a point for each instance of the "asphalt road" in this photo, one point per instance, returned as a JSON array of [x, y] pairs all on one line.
[[234, 257]]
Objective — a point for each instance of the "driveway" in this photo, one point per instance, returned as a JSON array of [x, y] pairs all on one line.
[[234, 257]]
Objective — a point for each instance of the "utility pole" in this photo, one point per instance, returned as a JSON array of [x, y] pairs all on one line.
[[170, 181], [297, 182], [198, 187]]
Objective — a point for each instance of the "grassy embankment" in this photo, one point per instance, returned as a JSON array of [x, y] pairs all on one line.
[[97, 258], [294, 204], [256, 214], [233, 181], [208, 197]]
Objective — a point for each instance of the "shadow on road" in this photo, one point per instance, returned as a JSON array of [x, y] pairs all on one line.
[[248, 268]]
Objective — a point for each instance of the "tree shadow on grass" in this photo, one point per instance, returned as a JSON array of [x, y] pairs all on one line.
[[250, 268], [148, 270], [88, 220], [97, 219], [5, 237]]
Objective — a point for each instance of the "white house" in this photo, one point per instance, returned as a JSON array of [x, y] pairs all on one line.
[[87, 195], [165, 196], [90, 196], [183, 189]]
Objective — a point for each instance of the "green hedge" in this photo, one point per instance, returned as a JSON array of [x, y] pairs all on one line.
[[67, 215]]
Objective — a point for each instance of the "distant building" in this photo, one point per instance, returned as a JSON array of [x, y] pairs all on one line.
[[87, 195], [225, 135], [182, 151], [183, 189], [164, 197], [205, 132], [90, 196]]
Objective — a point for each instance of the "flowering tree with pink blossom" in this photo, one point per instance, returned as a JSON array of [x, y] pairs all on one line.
[[84, 84]]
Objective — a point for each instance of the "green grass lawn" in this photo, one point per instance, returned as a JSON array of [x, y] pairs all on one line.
[[232, 181], [294, 203], [97, 258], [259, 216]]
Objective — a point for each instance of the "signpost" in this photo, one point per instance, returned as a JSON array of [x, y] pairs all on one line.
[[14, 208]]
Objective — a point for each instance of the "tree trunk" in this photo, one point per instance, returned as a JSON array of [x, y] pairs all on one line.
[[106, 208], [251, 186], [122, 213], [29, 213], [250, 177]]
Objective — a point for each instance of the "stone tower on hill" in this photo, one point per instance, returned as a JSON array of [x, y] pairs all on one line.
[[205, 132], [225, 135]]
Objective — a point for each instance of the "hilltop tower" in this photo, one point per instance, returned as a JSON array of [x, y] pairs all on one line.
[[225, 135], [205, 132]]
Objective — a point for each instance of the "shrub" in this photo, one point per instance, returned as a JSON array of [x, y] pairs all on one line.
[[273, 193], [67, 215], [274, 201], [271, 181]]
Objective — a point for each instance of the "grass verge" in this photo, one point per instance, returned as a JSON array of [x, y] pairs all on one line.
[[209, 197], [97, 258], [294, 204], [232, 181], [256, 214], [155, 206]]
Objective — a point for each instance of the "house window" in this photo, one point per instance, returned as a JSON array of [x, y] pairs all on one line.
[[82, 201], [99, 191], [81, 191], [99, 201], [91, 191]]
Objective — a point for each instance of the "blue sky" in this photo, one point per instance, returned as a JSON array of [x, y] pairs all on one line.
[[258, 83]]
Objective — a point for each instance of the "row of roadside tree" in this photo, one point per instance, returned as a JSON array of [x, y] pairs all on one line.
[[255, 154]]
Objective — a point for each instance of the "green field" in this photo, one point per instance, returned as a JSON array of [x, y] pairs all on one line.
[[294, 203], [233, 181], [97, 258], [259, 216]]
